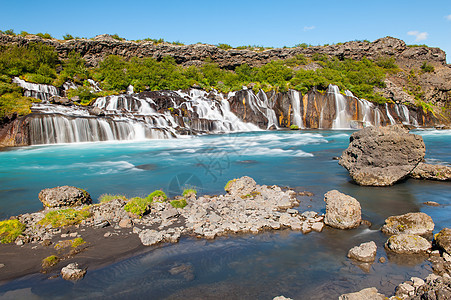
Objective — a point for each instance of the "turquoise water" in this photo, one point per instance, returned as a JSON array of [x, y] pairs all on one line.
[[245, 266]]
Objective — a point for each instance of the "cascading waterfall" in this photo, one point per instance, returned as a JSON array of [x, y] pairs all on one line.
[[296, 107], [392, 121], [35, 90], [342, 118]]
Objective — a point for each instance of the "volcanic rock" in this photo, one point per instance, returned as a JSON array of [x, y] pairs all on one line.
[[72, 272], [382, 156], [443, 239], [366, 252], [407, 244], [367, 294], [431, 172], [410, 223], [64, 196]]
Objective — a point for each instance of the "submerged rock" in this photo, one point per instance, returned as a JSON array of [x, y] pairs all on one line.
[[342, 211], [410, 223], [382, 156], [72, 272], [64, 196], [366, 252], [431, 172], [367, 294], [443, 239], [407, 244]]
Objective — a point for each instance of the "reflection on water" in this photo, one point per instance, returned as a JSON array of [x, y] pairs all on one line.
[[312, 266]]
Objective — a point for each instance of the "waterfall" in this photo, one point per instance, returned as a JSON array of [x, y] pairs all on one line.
[[392, 121], [342, 118], [366, 109], [35, 90], [296, 107]]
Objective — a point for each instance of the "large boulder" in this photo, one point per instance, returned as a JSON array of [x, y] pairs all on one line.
[[366, 252], [382, 156], [342, 211], [443, 239], [431, 172], [407, 244], [367, 294], [63, 196], [241, 187], [410, 223]]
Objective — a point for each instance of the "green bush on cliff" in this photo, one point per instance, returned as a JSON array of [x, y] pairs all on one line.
[[108, 197], [157, 195], [10, 230], [179, 203], [138, 206], [15, 103]]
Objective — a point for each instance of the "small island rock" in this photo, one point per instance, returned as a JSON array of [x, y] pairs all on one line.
[[366, 252], [410, 223], [407, 244], [443, 239], [367, 294], [342, 211], [431, 172], [72, 272], [64, 196]]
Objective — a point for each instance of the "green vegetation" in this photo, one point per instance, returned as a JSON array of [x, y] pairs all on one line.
[[157, 195], [427, 68], [50, 261], [10, 230], [117, 37], [189, 192], [65, 217], [229, 184], [78, 242], [179, 203], [224, 46], [108, 197], [138, 206], [44, 35], [294, 127]]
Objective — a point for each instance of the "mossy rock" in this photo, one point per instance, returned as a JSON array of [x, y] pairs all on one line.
[[443, 239], [64, 196]]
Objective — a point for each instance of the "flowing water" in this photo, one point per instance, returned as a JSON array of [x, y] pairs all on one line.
[[312, 266]]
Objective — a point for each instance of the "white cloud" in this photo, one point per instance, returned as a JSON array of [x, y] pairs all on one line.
[[448, 17], [308, 28], [419, 36]]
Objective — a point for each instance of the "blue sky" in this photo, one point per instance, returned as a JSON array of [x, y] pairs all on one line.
[[267, 23]]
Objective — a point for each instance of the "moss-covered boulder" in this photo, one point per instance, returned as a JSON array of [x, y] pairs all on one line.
[[410, 223], [64, 196], [443, 239]]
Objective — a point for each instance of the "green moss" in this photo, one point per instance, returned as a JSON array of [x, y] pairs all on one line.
[[189, 192], [229, 183], [157, 195], [294, 127], [50, 261], [108, 197], [180, 203], [138, 206], [10, 230], [65, 217], [78, 242]]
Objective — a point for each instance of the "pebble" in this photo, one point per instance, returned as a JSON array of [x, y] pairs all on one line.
[[108, 234], [382, 260], [2, 266]]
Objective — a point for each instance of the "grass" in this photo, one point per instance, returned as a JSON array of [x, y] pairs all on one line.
[[50, 261], [229, 183], [180, 203], [157, 195], [294, 127], [10, 230], [189, 192], [108, 197], [78, 242], [65, 217], [138, 206]]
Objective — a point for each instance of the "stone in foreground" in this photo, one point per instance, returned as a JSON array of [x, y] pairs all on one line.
[[64, 196], [407, 244], [366, 252], [72, 272], [382, 156], [431, 172], [443, 239], [367, 294], [410, 223], [342, 211]]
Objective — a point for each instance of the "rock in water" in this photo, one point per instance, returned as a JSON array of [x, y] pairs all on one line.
[[407, 244], [366, 252], [342, 211], [72, 272], [64, 196], [411, 223], [367, 294], [443, 239], [431, 172], [241, 187], [382, 156]]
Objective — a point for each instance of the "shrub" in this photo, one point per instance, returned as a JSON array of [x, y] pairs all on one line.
[[224, 46], [180, 203], [44, 35], [117, 37], [189, 192], [15, 103], [78, 242], [65, 217], [138, 206], [294, 127], [157, 195], [50, 261], [108, 197], [67, 37], [302, 45], [427, 68], [10, 230]]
